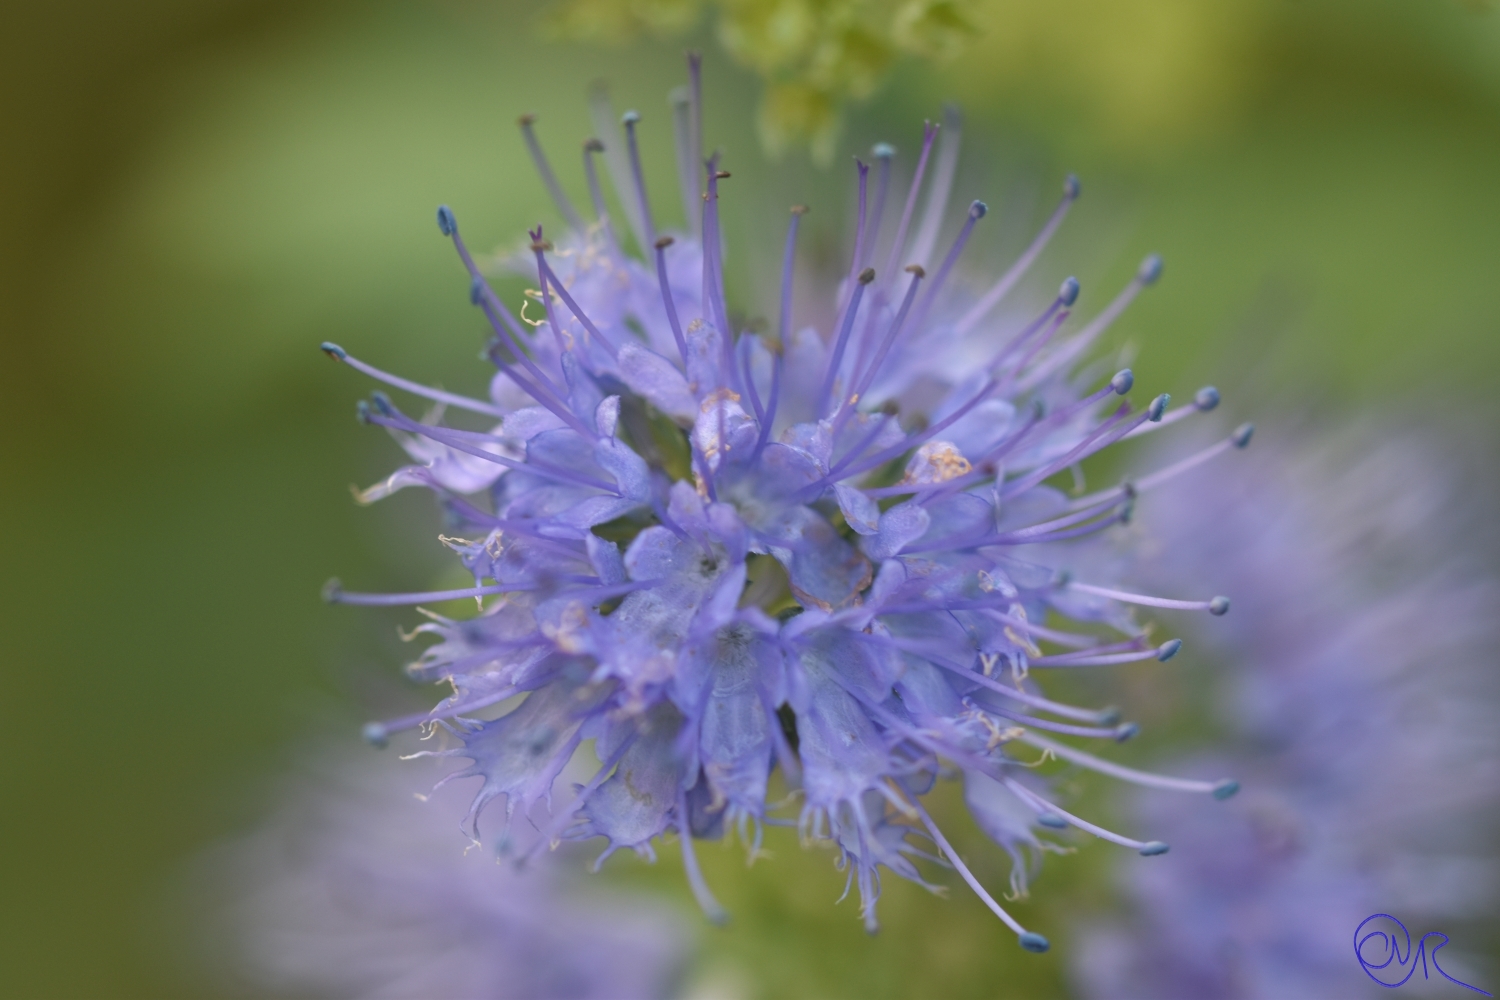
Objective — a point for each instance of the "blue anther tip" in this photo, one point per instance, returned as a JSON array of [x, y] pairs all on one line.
[[1123, 380], [978, 210], [375, 734], [1226, 789], [382, 403], [446, 222], [1034, 942], [1219, 605], [476, 291], [1150, 270], [1109, 716], [1127, 512], [362, 411], [332, 589], [1168, 649], [1158, 407], [333, 350], [1068, 293], [630, 117], [1206, 398], [1153, 848], [1126, 731], [883, 151], [1052, 821], [1242, 434], [1071, 187]]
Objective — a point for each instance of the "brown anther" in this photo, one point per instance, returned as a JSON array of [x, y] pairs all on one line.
[[664, 242], [540, 245], [890, 407], [916, 269], [593, 146], [800, 210], [866, 276], [526, 120], [722, 175]]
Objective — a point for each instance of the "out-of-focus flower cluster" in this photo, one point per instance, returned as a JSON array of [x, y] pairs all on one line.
[[1359, 685], [813, 54], [354, 889], [716, 553]]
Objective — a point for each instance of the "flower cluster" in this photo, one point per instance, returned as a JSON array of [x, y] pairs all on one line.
[[1361, 660], [706, 551]]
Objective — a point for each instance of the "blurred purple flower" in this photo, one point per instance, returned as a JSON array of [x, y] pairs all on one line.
[[356, 889], [1360, 659], [709, 554]]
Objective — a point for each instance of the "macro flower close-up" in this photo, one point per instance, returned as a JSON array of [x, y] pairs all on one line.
[[750, 499], [834, 554]]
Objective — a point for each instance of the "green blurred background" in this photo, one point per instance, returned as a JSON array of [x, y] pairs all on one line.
[[196, 194]]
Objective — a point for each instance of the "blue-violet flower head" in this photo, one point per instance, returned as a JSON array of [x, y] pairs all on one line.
[[705, 550]]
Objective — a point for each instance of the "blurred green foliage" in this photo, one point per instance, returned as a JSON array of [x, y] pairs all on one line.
[[195, 195], [813, 54]]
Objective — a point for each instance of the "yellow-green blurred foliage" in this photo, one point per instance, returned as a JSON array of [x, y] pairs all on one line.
[[813, 54]]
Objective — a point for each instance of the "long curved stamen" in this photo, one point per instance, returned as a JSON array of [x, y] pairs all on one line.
[[778, 359], [1029, 940], [687, 158], [929, 133], [713, 268], [596, 195], [710, 906], [1067, 294], [1007, 281], [1204, 400], [573, 307], [977, 211], [389, 416], [695, 137], [868, 375], [942, 184], [1149, 848], [1222, 789], [448, 224], [629, 120], [1165, 651], [1215, 606], [666, 298], [333, 593], [616, 160], [482, 295], [1101, 437], [1239, 439], [836, 359], [884, 153], [1116, 733], [1145, 276], [462, 402], [539, 158]]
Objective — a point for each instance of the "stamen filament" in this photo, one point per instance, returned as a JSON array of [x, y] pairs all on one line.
[[1219, 789], [648, 226], [539, 158], [1143, 599], [1002, 287], [462, 402], [942, 184], [929, 133]]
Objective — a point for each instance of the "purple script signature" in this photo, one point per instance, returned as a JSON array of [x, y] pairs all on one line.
[[1382, 943]]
